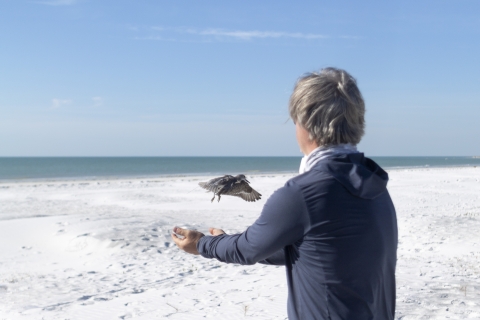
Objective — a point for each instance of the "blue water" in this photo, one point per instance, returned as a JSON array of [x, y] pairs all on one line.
[[30, 168]]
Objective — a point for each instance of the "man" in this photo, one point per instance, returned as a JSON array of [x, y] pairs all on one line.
[[334, 225]]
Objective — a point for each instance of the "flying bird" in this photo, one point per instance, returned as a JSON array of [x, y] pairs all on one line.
[[231, 186]]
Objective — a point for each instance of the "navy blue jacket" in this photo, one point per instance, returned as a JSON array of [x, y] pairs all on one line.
[[335, 230]]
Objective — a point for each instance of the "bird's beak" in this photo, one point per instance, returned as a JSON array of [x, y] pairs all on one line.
[[247, 181]]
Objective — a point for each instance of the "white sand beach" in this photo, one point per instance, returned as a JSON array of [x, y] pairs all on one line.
[[101, 249]]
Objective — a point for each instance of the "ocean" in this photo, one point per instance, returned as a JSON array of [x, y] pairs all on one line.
[[59, 168]]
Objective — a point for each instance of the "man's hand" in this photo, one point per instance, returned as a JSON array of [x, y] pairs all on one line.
[[189, 241], [190, 238]]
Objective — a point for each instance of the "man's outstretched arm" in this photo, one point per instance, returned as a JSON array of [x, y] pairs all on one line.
[[283, 221], [189, 239]]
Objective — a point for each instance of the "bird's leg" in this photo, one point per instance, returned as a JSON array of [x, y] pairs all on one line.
[[213, 198], [218, 198]]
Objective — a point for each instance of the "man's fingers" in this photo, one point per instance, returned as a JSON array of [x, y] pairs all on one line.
[[179, 235], [176, 239], [216, 232], [180, 231]]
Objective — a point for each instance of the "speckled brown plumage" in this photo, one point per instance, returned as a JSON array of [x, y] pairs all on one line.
[[231, 186]]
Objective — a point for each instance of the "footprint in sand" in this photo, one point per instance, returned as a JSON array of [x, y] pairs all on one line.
[[77, 244]]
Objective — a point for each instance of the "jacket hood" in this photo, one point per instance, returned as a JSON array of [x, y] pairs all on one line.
[[361, 176]]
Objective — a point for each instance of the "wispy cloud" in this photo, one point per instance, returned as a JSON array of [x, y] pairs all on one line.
[[184, 34], [173, 39], [58, 2], [97, 101], [58, 103], [247, 35], [242, 34]]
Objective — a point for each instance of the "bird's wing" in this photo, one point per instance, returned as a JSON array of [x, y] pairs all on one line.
[[215, 184], [243, 190]]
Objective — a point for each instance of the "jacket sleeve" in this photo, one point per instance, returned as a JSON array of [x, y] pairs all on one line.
[[276, 259], [284, 220]]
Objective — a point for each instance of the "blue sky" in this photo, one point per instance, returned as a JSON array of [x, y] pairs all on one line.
[[165, 78]]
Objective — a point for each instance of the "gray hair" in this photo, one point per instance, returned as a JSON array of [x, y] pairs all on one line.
[[329, 106]]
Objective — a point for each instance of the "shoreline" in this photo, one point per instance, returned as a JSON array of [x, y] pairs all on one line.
[[133, 179], [114, 168], [206, 175]]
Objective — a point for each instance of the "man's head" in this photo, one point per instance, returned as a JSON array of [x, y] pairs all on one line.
[[329, 106]]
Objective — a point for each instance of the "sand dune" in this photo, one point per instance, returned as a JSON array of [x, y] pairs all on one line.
[[101, 249]]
